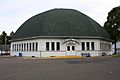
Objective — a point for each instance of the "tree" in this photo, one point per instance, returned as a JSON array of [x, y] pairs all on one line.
[[10, 37], [3, 38], [12, 33], [112, 25]]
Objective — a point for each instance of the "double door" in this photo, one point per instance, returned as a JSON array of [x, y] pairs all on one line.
[[70, 49]]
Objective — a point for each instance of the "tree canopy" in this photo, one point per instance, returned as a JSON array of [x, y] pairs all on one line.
[[4, 38], [112, 25]]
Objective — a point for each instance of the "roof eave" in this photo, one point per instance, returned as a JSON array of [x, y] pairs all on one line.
[[58, 37]]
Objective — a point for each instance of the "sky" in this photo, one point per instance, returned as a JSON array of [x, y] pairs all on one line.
[[13, 13]]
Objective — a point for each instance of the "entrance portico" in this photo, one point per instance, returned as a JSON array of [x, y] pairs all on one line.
[[70, 46]]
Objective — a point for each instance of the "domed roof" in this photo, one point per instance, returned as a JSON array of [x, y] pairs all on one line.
[[60, 23]]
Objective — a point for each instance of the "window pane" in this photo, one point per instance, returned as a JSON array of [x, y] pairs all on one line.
[[88, 46], [68, 48], [73, 48], [47, 46], [14, 47], [36, 46], [17, 47], [58, 46], [52, 46], [83, 45], [30, 46], [105, 46], [33, 46], [24, 46], [92, 46], [27, 46]]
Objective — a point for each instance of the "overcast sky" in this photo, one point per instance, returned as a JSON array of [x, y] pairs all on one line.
[[13, 13]]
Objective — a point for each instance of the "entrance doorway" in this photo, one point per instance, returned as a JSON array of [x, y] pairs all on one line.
[[70, 49]]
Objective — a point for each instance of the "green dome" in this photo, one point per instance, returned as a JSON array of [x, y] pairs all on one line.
[[60, 23]]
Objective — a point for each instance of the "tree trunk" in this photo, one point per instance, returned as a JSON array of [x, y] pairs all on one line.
[[115, 48]]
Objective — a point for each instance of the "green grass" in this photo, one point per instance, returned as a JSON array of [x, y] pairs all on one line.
[[116, 55]]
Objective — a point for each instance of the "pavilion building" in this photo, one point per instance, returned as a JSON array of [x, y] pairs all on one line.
[[60, 32]]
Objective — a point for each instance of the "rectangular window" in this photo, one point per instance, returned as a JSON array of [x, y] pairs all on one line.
[[68, 48], [13, 47], [52, 46], [24, 46], [47, 46], [92, 46], [33, 46], [58, 46], [105, 46], [73, 48], [36, 46], [83, 45], [30, 46], [17, 47], [27, 47], [88, 46]]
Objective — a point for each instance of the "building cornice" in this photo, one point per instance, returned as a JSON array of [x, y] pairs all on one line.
[[61, 37]]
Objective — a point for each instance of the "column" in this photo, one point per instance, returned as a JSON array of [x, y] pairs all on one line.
[[55, 44], [90, 46], [50, 46], [85, 45]]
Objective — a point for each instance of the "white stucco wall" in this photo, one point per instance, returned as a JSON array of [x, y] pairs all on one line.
[[43, 53]]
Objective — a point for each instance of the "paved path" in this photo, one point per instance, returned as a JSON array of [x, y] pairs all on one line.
[[60, 69]]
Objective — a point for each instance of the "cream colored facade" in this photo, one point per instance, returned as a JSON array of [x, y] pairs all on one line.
[[60, 47]]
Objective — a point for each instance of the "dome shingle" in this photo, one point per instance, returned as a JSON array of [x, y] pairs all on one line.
[[60, 23]]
